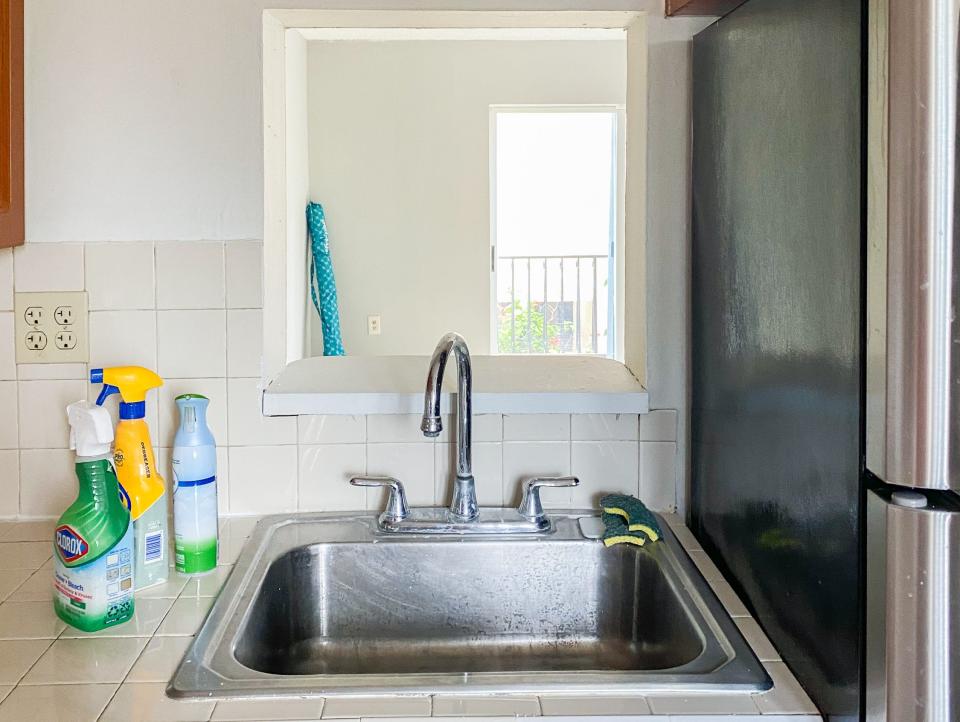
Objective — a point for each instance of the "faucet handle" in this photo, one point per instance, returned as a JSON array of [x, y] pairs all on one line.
[[530, 506], [396, 502]]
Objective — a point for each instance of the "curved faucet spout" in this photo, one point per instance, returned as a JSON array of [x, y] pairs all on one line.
[[464, 504]]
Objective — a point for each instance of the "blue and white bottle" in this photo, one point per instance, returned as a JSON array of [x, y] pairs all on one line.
[[195, 488]]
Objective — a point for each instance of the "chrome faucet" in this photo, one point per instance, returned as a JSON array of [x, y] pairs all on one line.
[[463, 515], [463, 506]]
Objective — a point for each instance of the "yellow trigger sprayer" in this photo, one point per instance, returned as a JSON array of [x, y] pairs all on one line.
[[141, 486]]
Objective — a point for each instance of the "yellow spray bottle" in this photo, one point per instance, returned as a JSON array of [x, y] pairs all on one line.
[[141, 486]]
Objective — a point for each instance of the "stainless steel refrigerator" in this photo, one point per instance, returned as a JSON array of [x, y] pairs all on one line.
[[825, 363], [913, 363]]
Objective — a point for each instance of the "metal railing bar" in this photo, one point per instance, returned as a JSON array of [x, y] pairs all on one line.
[[529, 309], [595, 297], [579, 349], [562, 331], [543, 308], [513, 306], [562, 298], [567, 257]]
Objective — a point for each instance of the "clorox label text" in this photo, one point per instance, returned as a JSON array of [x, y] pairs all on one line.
[[71, 545]]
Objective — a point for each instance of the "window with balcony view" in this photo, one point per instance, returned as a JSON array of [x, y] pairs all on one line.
[[554, 190]]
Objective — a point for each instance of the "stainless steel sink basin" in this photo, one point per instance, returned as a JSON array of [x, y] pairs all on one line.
[[325, 604]]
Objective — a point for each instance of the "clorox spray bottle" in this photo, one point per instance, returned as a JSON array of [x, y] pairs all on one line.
[[195, 488], [93, 541], [141, 486]]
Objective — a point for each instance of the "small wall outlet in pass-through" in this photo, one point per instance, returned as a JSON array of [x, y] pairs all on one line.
[[373, 325], [51, 328]]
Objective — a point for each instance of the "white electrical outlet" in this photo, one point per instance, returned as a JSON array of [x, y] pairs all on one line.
[[373, 325], [51, 328]]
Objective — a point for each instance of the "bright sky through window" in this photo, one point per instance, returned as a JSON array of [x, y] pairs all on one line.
[[553, 175], [554, 190]]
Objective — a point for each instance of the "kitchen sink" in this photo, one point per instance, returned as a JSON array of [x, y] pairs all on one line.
[[327, 604]]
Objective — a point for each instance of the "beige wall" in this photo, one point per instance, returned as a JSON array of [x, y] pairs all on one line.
[[399, 157]]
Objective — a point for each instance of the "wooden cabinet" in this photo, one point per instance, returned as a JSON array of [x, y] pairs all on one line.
[[701, 7], [11, 123]]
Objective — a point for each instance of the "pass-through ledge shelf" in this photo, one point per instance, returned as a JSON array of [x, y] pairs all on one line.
[[501, 384]]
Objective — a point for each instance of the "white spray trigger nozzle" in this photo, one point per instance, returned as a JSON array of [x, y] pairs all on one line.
[[91, 429]]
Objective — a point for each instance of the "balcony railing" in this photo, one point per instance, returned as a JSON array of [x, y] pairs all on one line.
[[553, 304]]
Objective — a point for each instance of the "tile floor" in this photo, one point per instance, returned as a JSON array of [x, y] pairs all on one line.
[[49, 671]]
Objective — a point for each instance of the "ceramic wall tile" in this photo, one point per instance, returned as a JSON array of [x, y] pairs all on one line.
[[603, 467], [244, 264], [120, 276], [123, 338], [48, 482], [331, 429], [604, 427], [536, 427], [6, 279], [244, 342], [42, 412], [190, 275], [658, 425], [522, 460], [263, 479], [325, 473], [192, 344], [411, 463], [487, 472], [48, 267]]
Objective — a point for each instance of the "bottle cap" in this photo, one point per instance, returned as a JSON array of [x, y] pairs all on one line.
[[91, 430]]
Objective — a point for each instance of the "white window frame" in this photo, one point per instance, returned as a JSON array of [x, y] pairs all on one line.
[[617, 292], [285, 34]]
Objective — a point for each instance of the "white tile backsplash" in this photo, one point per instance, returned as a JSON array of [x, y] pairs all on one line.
[[603, 467], [48, 482], [247, 426], [8, 365], [658, 425], [42, 412], [332, 429], [524, 459], [123, 338], [487, 472], [658, 474], [192, 311], [9, 482], [603, 427], [120, 276], [486, 427], [263, 479], [325, 473], [48, 267], [9, 437], [244, 342], [244, 264], [395, 428], [192, 344], [6, 280], [412, 464], [536, 427], [190, 275], [45, 372]]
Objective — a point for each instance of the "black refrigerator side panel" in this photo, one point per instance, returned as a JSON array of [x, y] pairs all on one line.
[[776, 308]]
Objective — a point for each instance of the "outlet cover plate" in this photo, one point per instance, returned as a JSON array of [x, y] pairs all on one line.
[[51, 328]]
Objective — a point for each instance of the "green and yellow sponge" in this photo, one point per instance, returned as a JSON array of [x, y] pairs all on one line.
[[628, 521]]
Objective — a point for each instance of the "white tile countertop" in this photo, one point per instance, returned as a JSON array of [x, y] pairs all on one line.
[[50, 672]]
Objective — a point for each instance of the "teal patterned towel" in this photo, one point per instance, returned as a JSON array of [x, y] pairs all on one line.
[[323, 286]]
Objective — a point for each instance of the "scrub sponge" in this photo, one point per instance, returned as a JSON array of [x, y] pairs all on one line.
[[618, 533], [633, 514]]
